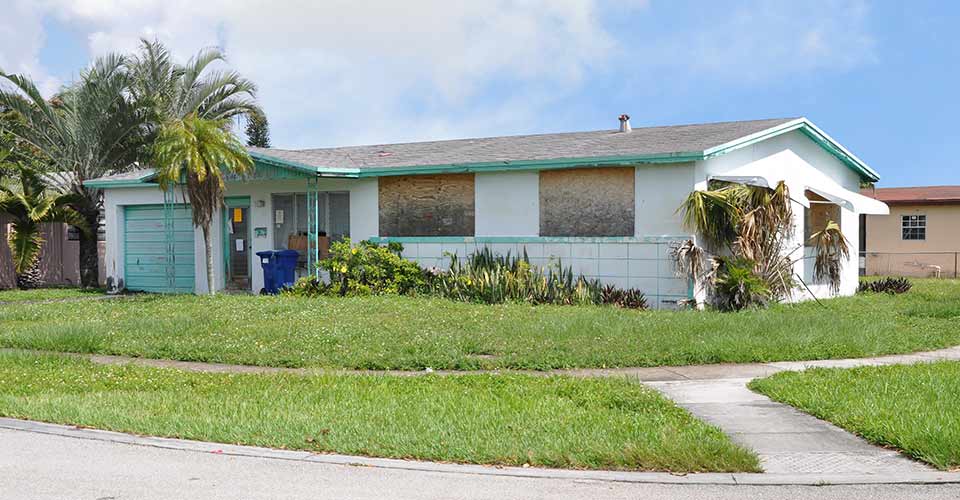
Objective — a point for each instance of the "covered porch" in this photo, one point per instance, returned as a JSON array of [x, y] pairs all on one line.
[[279, 208]]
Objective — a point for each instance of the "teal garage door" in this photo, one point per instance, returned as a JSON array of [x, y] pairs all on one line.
[[150, 264]]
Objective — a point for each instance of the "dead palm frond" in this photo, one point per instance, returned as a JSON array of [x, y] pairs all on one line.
[[711, 214], [832, 251]]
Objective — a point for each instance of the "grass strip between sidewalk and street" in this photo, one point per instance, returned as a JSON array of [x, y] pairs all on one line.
[[915, 408], [486, 419]]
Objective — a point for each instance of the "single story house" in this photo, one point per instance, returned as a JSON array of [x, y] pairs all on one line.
[[603, 202], [919, 237]]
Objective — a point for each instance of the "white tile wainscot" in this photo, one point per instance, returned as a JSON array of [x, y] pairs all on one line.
[[643, 263]]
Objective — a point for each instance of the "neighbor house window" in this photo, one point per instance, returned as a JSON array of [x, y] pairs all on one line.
[[913, 227], [587, 202]]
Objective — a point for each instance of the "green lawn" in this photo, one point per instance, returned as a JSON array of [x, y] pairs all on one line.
[[487, 419], [414, 333], [915, 408], [47, 294]]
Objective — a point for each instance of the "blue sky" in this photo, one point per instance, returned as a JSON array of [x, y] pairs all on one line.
[[879, 76]]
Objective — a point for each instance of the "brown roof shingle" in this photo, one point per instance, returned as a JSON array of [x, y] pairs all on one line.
[[918, 195]]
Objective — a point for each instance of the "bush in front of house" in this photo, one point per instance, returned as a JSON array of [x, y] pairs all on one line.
[[493, 279], [885, 285], [370, 269], [737, 286], [483, 277]]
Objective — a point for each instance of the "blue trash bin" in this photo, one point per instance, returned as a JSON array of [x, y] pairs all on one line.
[[286, 268], [268, 260]]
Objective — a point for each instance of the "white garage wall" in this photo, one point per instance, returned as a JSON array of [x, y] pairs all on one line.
[[363, 221]]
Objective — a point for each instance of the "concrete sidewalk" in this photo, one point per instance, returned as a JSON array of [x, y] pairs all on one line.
[[643, 374]]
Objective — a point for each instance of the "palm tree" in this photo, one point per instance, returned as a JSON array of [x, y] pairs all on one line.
[[741, 224], [89, 129], [107, 121], [746, 226], [31, 204], [197, 151], [173, 91]]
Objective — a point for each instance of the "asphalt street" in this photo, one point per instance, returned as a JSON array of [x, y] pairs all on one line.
[[41, 466]]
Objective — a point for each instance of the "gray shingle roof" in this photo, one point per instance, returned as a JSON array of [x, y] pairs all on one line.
[[603, 143], [135, 174]]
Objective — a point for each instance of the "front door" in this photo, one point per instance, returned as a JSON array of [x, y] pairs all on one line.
[[238, 247]]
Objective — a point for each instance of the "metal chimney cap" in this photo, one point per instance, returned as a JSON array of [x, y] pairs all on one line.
[[625, 123]]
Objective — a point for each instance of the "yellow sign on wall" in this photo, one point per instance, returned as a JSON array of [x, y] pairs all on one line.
[[237, 215]]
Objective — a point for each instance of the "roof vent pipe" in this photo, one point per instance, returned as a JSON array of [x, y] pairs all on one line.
[[625, 123]]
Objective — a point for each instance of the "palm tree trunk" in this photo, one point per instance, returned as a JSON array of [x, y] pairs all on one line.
[[208, 249], [32, 277], [89, 255]]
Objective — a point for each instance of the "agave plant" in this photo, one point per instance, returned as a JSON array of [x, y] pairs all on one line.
[[885, 285], [30, 203], [490, 278]]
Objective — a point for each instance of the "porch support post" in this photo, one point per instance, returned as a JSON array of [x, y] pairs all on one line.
[[169, 238], [313, 226]]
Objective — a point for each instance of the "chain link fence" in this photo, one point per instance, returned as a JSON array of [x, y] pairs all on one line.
[[912, 264]]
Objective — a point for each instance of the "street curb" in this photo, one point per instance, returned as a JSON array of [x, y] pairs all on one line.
[[730, 479]]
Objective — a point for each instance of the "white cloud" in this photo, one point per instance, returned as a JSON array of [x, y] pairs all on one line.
[[343, 72], [21, 38], [338, 72]]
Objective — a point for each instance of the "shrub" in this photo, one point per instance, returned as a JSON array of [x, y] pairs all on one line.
[[736, 286], [627, 298], [371, 269], [308, 286], [885, 285], [492, 279]]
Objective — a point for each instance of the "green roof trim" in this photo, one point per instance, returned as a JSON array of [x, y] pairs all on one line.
[[811, 131], [551, 164], [124, 182], [300, 170]]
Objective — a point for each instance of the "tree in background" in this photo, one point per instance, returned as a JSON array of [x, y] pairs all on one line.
[[107, 121], [198, 151], [30, 203], [258, 130], [19, 152], [90, 129]]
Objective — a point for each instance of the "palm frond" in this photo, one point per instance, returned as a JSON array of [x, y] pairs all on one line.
[[832, 250]]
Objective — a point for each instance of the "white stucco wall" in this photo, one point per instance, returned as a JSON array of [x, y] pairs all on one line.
[[660, 190], [795, 152], [363, 221], [507, 204]]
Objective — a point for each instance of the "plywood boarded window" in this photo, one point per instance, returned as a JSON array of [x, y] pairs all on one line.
[[587, 202], [427, 205], [815, 218]]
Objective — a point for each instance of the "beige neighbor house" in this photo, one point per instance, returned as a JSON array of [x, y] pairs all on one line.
[[920, 237]]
